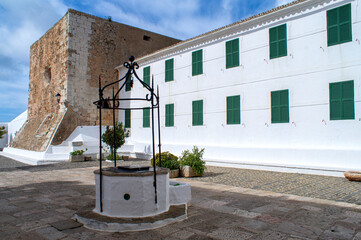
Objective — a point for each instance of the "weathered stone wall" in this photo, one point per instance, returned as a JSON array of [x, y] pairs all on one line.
[[96, 47], [48, 76], [68, 60]]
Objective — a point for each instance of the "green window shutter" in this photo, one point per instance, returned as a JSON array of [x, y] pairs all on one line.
[[229, 110], [169, 70], [345, 23], [335, 101], [232, 53], [348, 109], [127, 118], [234, 110], [146, 117], [284, 107], [275, 110], [197, 113], [127, 84], [228, 54], [342, 104], [146, 75], [169, 115], [278, 41], [235, 55], [279, 106], [273, 43], [339, 25], [197, 62]]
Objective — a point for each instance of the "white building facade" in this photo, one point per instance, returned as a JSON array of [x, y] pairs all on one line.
[[280, 89]]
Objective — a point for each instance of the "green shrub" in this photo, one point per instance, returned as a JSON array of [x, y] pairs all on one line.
[[111, 157], [2, 131], [78, 152], [120, 134], [194, 160], [168, 161]]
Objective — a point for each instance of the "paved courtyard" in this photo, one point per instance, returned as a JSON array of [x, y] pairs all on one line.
[[37, 202]]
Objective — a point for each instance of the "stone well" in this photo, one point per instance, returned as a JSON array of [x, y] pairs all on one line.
[[129, 192], [129, 200]]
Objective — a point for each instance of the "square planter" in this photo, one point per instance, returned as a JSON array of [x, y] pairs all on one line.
[[187, 171], [174, 173], [77, 158]]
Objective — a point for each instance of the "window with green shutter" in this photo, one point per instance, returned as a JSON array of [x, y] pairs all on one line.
[[146, 75], [234, 110], [342, 100], [232, 53], [197, 62], [169, 70], [197, 113], [279, 107], [169, 115], [146, 117], [127, 118], [278, 41], [127, 83], [339, 26]]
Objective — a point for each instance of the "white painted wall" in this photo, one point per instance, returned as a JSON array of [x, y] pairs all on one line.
[[15, 125], [310, 139], [12, 128]]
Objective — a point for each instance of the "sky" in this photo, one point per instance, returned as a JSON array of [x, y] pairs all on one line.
[[23, 22]]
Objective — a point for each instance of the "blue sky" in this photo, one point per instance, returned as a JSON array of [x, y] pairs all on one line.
[[22, 22]]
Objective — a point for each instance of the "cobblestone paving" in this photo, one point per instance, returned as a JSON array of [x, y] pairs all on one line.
[[38, 203], [306, 185]]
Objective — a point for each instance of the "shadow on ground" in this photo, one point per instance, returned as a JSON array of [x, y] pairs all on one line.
[[44, 211]]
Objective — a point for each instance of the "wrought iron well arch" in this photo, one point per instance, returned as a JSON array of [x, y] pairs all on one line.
[[113, 103]]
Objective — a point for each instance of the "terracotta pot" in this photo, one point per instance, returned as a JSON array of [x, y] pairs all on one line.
[[174, 173], [353, 175], [77, 158], [187, 171]]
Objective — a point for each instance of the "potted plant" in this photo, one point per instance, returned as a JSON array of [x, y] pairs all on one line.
[[108, 138], [111, 157], [191, 162], [77, 156], [168, 161], [353, 175]]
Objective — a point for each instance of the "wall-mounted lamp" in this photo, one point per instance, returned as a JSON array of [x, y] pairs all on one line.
[[58, 97]]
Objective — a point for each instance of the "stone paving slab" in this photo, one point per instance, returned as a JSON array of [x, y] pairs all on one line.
[[38, 204]]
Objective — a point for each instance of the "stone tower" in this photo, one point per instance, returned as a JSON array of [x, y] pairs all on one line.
[[68, 60]]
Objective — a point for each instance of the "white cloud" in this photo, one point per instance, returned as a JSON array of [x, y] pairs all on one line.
[[282, 2], [21, 24], [182, 20], [16, 42]]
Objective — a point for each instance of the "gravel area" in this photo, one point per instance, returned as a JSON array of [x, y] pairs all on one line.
[[305, 185]]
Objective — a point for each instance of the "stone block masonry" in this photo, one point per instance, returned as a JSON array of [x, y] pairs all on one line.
[[68, 60]]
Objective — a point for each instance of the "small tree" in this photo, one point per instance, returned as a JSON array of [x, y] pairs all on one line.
[[2, 132], [120, 134], [194, 160]]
